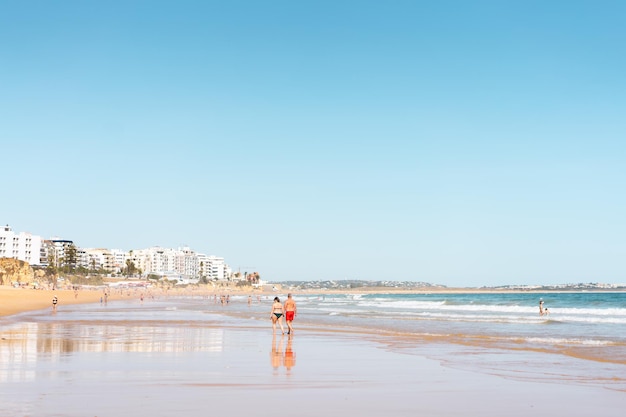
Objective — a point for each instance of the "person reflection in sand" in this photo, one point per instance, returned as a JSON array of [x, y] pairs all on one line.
[[290, 356], [276, 355]]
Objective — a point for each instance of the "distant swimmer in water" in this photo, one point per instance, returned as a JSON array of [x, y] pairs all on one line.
[[541, 311], [546, 312]]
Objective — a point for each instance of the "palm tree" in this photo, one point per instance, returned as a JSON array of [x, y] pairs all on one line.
[[130, 268], [70, 257]]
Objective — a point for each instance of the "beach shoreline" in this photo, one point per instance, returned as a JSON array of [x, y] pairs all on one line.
[[141, 355], [20, 300]]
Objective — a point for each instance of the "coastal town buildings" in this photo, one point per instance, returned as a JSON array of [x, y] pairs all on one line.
[[182, 263], [23, 246], [216, 268], [99, 258], [62, 251]]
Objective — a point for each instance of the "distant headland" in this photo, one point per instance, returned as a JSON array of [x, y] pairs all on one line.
[[371, 286]]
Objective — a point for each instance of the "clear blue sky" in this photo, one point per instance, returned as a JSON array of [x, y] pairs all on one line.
[[464, 143]]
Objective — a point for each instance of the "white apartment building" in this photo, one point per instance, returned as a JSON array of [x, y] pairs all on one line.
[[82, 258], [22, 246], [58, 248], [190, 264], [119, 259], [203, 265], [216, 268], [140, 258], [99, 258], [154, 260], [158, 260], [183, 261]]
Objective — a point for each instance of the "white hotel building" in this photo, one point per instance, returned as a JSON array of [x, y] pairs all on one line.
[[22, 246], [183, 261]]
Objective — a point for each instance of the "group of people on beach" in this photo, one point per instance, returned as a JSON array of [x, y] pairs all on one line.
[[289, 310], [543, 311]]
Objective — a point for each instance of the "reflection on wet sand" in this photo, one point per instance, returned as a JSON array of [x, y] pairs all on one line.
[[286, 358], [24, 343], [290, 356], [276, 354]]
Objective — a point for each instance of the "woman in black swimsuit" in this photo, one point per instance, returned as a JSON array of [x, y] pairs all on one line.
[[276, 314]]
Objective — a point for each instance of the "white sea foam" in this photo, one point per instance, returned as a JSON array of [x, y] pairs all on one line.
[[590, 319], [495, 312], [340, 311], [567, 341], [620, 312], [402, 304]]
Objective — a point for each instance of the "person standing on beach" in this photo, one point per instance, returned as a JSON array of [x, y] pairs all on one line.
[[541, 307], [55, 300], [290, 312], [276, 314]]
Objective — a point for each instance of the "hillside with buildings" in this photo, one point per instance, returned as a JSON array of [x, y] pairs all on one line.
[[62, 256], [363, 285]]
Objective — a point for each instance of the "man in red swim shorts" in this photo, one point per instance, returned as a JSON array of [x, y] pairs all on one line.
[[290, 312]]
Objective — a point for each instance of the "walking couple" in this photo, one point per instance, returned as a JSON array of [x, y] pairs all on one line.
[[288, 310]]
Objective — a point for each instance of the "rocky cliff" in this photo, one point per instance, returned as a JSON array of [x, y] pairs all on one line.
[[12, 270]]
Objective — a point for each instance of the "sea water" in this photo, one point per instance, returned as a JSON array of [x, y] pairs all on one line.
[[582, 339], [590, 325], [575, 318]]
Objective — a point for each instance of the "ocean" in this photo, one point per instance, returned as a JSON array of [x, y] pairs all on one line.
[[592, 325], [582, 339]]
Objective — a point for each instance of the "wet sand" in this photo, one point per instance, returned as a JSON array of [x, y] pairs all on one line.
[[156, 359]]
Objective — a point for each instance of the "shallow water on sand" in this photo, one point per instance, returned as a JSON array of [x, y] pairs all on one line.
[[192, 357], [583, 340]]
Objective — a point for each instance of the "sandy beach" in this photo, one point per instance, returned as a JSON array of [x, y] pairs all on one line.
[[186, 357], [18, 300]]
